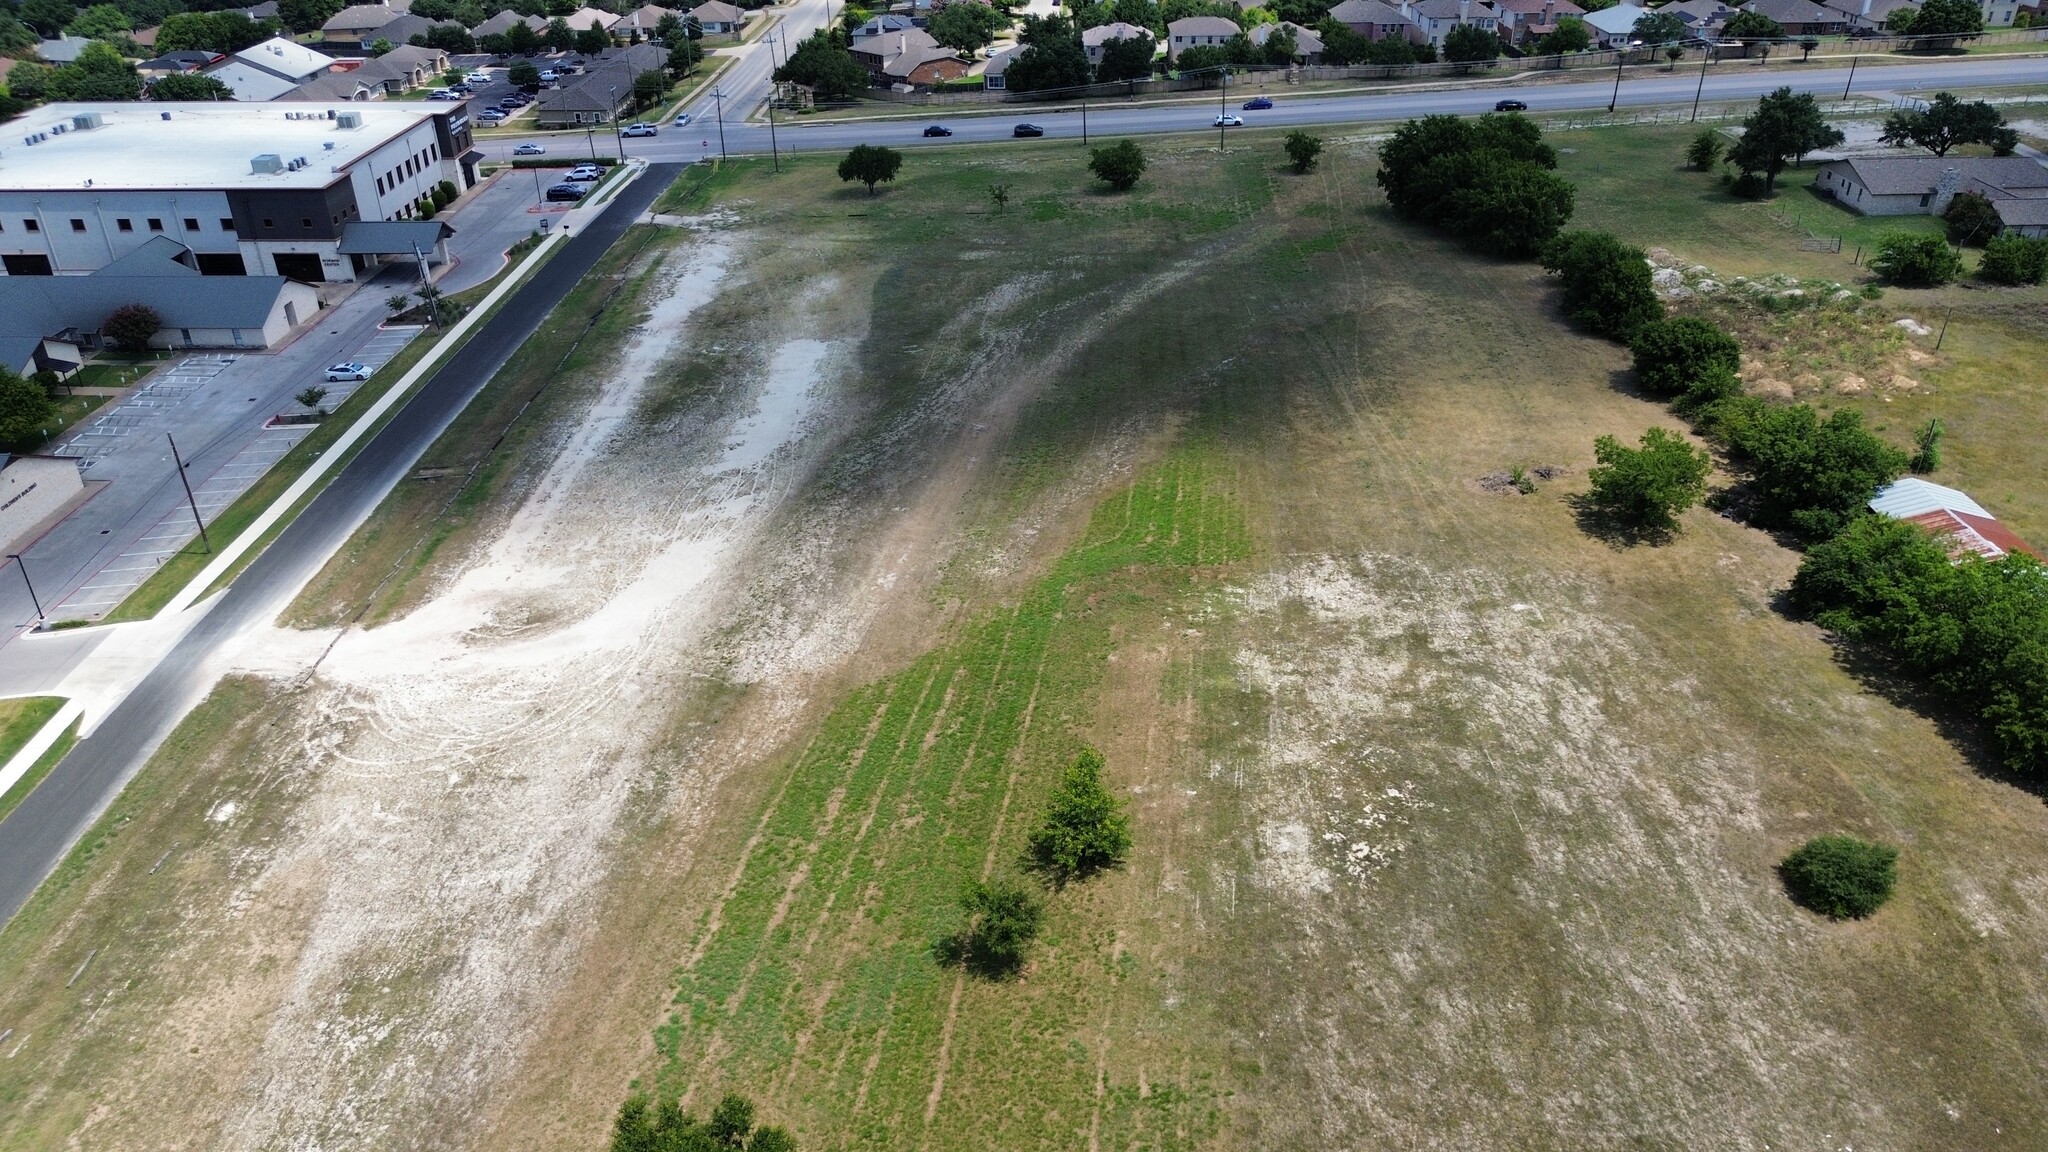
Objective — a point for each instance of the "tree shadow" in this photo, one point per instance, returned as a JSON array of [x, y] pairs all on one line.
[[963, 949], [1616, 533]]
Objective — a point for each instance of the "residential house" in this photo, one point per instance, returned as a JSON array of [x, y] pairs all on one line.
[[504, 22], [583, 18], [268, 70], [62, 50], [1094, 38], [1703, 18], [2002, 13], [1523, 21], [396, 72], [2023, 215], [1375, 20], [354, 24], [400, 30], [907, 57], [1198, 31], [172, 63], [1308, 47], [1436, 18], [1614, 27], [1951, 517], [1923, 185], [641, 20], [1869, 14], [598, 94], [885, 23], [995, 76], [1801, 17], [718, 18]]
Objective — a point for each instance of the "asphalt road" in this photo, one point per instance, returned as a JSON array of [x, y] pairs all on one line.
[[1728, 80], [36, 835]]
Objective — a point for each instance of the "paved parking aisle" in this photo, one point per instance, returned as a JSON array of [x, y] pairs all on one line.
[[144, 411]]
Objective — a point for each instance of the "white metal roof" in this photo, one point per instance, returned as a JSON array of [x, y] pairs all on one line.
[[1911, 496]]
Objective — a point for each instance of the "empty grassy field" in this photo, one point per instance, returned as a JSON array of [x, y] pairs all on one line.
[[1455, 825]]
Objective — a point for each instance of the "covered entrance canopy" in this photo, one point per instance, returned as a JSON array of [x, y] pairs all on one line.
[[367, 240]]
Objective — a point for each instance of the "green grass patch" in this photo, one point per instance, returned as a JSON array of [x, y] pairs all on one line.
[[9, 744]]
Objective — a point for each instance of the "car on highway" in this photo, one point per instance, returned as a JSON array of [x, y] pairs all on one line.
[[570, 192], [1027, 130], [682, 120], [348, 370], [938, 130], [641, 129], [1227, 121], [1258, 103], [530, 150], [584, 173], [1510, 106]]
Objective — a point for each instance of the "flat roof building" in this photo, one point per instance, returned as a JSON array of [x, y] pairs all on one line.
[[250, 189]]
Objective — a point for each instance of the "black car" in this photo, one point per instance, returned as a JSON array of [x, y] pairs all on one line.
[[1027, 130], [938, 130], [1257, 103], [570, 192], [1510, 106]]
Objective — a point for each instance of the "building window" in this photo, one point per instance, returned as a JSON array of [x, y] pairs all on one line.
[[77, 225], [305, 221], [124, 224], [31, 225], [155, 224], [269, 223], [227, 224], [191, 223]]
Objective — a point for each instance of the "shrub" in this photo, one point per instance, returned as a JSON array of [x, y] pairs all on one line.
[[1302, 150], [1812, 475], [1003, 918], [1607, 287], [1709, 389], [1841, 877], [643, 1125], [1916, 261], [1085, 829], [1927, 447], [1648, 487], [1671, 355], [25, 410], [1971, 218], [130, 327], [1705, 149], [1749, 186], [2015, 260], [871, 165], [1118, 165], [1487, 180], [447, 192]]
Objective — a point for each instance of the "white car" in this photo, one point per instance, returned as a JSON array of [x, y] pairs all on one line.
[[478, 78], [348, 371], [585, 172], [529, 150], [641, 129], [1227, 121], [683, 120]]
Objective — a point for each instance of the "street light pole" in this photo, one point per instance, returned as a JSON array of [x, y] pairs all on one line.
[[426, 287], [1697, 92], [718, 101], [1084, 121], [1223, 109], [16, 557], [180, 465], [773, 150], [616, 138]]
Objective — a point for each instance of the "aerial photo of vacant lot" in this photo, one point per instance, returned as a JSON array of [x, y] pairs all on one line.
[[647, 736]]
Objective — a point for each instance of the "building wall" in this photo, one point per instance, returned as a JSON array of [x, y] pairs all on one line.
[[102, 240], [32, 489], [1855, 196]]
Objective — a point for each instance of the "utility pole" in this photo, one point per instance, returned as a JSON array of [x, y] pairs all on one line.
[[1084, 121], [773, 151], [718, 99], [426, 287], [616, 138], [180, 464], [16, 557], [1620, 58], [1852, 76], [1223, 109], [1705, 59]]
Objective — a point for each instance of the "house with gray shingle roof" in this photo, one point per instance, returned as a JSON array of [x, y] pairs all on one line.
[[1923, 185]]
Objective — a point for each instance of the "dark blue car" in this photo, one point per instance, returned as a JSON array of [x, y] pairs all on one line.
[[1257, 103]]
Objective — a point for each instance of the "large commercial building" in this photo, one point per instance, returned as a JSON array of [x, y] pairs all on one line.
[[248, 189]]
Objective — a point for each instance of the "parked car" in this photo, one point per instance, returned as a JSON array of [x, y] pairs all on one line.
[[1257, 103], [549, 76], [442, 94], [584, 173], [938, 130], [641, 129], [348, 370], [569, 192], [1227, 121], [460, 89], [1510, 106], [1027, 130], [491, 115], [478, 78], [682, 119], [530, 150]]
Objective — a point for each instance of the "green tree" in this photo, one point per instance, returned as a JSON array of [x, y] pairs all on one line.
[[1206, 60], [99, 73], [450, 38], [1647, 487], [1813, 476], [1947, 19], [1971, 218], [871, 165], [593, 40], [1607, 286], [1085, 829], [965, 25], [1943, 124], [1841, 877], [1570, 35], [771, 1138], [211, 32], [521, 40], [101, 22], [1672, 355], [189, 86], [559, 36], [2015, 259], [1126, 58], [1052, 57], [381, 47], [307, 15], [1341, 44], [26, 411], [649, 87], [523, 73], [1302, 150], [30, 82], [1659, 28], [1471, 44], [1752, 28], [1784, 127], [1002, 918], [1915, 260], [1704, 149], [1119, 165], [669, 28], [732, 1121], [15, 36], [1280, 48], [311, 398], [47, 17], [683, 55], [822, 64]]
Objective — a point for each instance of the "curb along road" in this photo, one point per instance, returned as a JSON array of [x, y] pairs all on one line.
[[35, 837]]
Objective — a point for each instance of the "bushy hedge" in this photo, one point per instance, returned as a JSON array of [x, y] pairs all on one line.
[[1487, 181], [1674, 356], [1810, 475], [1916, 261], [1841, 877], [2015, 260], [1607, 287], [1977, 630]]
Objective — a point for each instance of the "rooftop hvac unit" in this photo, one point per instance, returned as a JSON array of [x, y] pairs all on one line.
[[328, 145], [87, 121], [348, 120], [330, 113], [165, 115], [268, 164]]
